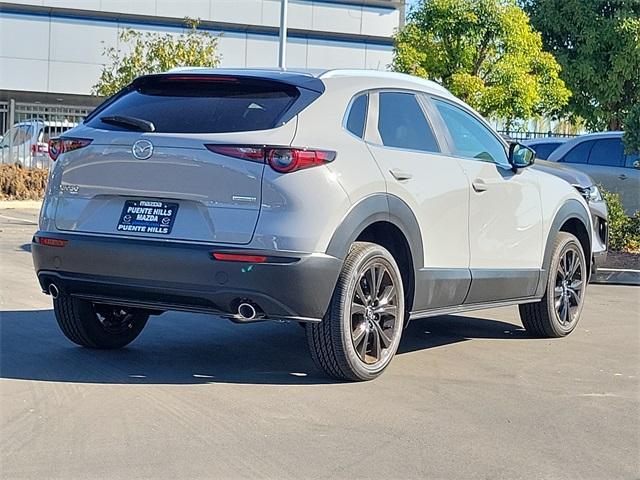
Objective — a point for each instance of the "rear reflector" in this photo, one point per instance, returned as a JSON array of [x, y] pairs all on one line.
[[280, 159], [238, 257], [60, 145], [51, 242]]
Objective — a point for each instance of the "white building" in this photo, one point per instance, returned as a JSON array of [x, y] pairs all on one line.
[[51, 51]]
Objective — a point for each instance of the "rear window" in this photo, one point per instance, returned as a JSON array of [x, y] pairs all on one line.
[[204, 105], [543, 150]]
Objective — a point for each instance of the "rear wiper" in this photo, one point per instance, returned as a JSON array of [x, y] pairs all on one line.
[[129, 122]]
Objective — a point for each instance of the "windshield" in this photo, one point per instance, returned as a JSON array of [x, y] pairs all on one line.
[[16, 135]]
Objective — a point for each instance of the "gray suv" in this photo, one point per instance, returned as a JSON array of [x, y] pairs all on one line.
[[350, 201]]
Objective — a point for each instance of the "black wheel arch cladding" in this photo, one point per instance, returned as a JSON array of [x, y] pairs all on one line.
[[571, 210]]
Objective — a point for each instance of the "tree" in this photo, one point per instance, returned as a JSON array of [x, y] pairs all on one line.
[[485, 52], [631, 135], [597, 42], [151, 52]]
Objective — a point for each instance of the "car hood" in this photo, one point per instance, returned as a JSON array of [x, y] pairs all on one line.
[[574, 177]]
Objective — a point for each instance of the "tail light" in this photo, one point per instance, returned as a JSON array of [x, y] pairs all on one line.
[[285, 160], [280, 159], [39, 148], [61, 145], [255, 154]]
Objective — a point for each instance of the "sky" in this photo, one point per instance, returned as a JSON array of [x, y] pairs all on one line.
[[410, 3]]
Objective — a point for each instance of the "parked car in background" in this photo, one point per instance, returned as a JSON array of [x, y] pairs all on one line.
[[602, 156], [27, 143], [544, 146], [352, 201]]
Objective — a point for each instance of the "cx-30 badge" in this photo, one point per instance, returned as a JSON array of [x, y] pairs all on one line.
[[142, 149]]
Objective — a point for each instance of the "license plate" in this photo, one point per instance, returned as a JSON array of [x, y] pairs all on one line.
[[147, 216]]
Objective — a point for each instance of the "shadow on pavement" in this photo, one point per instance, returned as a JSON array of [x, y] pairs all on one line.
[[192, 349]]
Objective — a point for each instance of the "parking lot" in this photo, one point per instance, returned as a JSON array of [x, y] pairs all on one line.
[[468, 396]]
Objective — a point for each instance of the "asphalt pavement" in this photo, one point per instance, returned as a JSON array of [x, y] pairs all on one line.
[[468, 396]]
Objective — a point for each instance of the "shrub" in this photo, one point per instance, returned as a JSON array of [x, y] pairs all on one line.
[[624, 231], [20, 183]]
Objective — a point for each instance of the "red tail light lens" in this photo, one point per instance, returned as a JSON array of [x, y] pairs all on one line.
[[282, 160], [285, 160], [60, 145], [39, 148], [238, 257], [255, 154]]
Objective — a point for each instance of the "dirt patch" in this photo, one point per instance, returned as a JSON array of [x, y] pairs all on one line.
[[19, 183], [622, 260]]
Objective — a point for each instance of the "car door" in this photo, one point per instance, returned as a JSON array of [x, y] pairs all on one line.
[[433, 185], [606, 165], [632, 192], [505, 210]]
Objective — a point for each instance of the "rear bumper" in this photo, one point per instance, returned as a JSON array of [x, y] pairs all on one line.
[[173, 276]]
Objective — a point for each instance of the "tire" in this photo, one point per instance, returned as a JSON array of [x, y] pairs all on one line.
[[97, 326], [361, 330], [547, 317]]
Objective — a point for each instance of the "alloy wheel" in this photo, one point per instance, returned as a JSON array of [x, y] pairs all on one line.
[[374, 314], [569, 286]]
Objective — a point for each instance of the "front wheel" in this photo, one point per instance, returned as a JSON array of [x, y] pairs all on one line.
[[97, 326], [361, 331], [558, 312]]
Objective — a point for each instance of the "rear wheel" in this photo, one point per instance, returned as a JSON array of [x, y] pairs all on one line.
[[557, 314], [361, 331], [97, 326]]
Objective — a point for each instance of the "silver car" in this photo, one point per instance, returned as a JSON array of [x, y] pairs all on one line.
[[602, 156], [350, 201]]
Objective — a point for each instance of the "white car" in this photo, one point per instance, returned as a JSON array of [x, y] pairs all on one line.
[[26, 143], [603, 157], [351, 201]]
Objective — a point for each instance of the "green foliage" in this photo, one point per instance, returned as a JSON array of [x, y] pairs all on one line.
[[486, 53], [143, 53], [631, 135], [597, 42], [624, 231]]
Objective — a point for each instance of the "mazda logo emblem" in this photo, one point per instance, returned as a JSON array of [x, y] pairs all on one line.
[[142, 149]]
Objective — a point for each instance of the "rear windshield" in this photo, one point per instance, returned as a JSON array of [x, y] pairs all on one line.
[[206, 105]]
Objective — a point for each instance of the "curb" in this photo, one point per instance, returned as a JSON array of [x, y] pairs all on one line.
[[615, 276], [28, 204]]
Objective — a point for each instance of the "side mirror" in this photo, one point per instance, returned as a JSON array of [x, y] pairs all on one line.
[[521, 156]]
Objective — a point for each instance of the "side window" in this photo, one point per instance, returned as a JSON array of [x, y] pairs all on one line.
[[631, 160], [471, 139], [402, 124], [543, 150], [579, 153], [357, 116], [609, 152]]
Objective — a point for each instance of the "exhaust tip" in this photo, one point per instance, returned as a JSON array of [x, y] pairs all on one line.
[[247, 311], [53, 290]]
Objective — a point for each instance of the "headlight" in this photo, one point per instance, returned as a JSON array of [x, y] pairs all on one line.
[[590, 194], [594, 194]]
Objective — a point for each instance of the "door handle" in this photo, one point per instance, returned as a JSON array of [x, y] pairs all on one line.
[[622, 177], [479, 185], [400, 175]]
